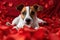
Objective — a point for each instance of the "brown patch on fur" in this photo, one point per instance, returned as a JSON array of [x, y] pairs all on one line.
[[32, 9], [22, 16]]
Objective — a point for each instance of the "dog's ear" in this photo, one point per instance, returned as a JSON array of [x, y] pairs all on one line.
[[37, 7], [20, 7]]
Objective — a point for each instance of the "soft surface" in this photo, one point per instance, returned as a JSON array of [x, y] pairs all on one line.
[[50, 13]]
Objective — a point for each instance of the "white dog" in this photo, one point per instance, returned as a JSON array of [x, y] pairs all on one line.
[[28, 17]]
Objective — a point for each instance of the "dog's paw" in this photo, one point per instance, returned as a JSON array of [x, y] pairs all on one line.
[[44, 23], [8, 24], [36, 28], [15, 27]]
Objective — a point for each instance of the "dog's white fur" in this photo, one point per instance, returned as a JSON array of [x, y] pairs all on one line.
[[20, 22]]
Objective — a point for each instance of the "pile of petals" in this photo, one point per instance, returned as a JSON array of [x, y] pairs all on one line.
[[48, 31], [43, 33]]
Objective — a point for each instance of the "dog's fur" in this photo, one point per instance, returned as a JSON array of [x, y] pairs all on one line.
[[28, 12]]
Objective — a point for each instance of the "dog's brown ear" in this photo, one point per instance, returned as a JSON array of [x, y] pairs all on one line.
[[37, 7], [20, 7]]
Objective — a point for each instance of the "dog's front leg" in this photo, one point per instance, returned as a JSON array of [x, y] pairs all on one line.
[[20, 24], [37, 26], [40, 20], [15, 21]]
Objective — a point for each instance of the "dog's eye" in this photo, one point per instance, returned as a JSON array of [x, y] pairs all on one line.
[[32, 13], [24, 13]]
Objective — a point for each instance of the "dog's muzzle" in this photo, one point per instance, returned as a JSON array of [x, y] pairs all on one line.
[[28, 21]]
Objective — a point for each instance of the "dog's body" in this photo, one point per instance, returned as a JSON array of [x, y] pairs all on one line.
[[27, 17], [20, 23]]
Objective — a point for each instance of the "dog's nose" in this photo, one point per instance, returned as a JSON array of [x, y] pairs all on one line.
[[28, 20]]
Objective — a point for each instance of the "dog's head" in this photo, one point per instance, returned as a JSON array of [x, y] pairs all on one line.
[[28, 13]]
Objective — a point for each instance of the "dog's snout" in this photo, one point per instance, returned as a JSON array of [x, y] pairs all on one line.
[[28, 20]]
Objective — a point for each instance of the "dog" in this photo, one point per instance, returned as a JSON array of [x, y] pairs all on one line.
[[28, 17]]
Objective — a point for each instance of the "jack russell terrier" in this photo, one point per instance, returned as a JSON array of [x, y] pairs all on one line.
[[28, 17]]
